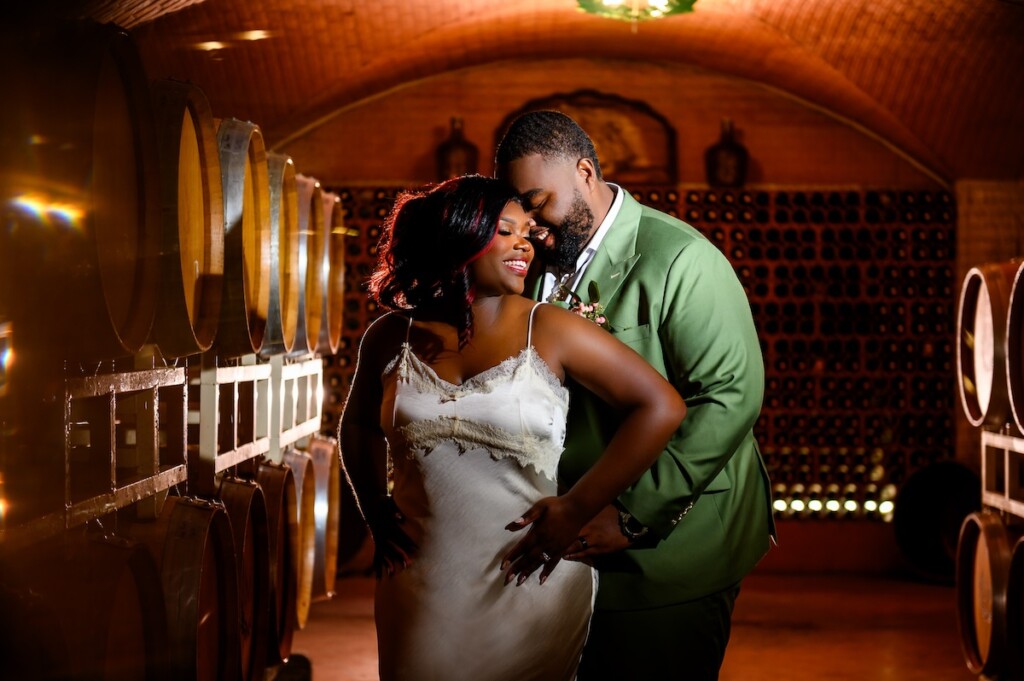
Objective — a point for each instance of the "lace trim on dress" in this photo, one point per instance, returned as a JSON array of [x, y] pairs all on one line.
[[549, 377], [483, 382], [525, 449]]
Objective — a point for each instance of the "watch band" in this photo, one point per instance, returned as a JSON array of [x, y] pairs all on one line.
[[630, 527]]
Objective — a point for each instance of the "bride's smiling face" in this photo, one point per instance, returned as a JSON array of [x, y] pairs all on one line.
[[502, 267]]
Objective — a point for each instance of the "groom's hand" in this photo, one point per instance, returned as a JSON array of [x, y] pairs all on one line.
[[601, 535]]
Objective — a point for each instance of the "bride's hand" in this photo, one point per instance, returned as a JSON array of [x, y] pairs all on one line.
[[393, 549], [555, 525]]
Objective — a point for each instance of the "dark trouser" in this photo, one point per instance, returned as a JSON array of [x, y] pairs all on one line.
[[684, 642]]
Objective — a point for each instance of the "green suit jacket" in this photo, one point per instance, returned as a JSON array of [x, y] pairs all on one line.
[[674, 298]]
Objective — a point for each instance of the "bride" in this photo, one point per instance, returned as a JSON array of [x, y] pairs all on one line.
[[451, 437]]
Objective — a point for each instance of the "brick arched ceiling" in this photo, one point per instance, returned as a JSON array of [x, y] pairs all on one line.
[[940, 80]]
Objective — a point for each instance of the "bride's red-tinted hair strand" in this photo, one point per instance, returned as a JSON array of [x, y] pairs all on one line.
[[428, 240]]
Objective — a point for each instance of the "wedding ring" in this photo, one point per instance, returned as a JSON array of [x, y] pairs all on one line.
[[545, 557], [583, 542]]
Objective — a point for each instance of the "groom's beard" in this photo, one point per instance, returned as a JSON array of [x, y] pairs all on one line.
[[572, 235]]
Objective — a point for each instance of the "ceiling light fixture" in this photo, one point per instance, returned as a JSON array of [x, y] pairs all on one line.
[[636, 10]]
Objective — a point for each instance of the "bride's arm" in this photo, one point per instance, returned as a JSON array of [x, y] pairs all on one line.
[[651, 408], [364, 452]]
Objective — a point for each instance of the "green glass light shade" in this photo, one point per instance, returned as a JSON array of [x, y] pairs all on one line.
[[636, 10]]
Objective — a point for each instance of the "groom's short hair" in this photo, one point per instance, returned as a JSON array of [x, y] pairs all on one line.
[[548, 133]]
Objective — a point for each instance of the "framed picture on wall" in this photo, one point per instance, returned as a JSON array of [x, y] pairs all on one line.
[[635, 144]]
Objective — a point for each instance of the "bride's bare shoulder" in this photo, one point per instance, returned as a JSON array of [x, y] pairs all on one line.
[[387, 323], [386, 331]]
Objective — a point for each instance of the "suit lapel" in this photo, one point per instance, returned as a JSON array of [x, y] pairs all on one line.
[[616, 255]]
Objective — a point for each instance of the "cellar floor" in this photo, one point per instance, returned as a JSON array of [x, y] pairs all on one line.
[[787, 627]]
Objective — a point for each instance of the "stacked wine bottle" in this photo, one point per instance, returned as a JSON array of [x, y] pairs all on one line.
[[852, 292]]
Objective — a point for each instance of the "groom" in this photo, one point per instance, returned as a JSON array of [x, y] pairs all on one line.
[[673, 549]]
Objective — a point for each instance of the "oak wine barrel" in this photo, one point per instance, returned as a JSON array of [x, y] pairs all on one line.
[[303, 530], [1015, 610], [192, 235], [193, 545], [31, 638], [79, 187], [981, 346], [103, 598], [1015, 348], [311, 249], [283, 309], [246, 190], [278, 485], [323, 451], [332, 275], [983, 568], [247, 510]]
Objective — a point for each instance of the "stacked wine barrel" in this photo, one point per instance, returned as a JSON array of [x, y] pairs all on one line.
[[990, 552], [145, 234]]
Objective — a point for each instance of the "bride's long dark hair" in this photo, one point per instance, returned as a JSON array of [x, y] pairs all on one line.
[[427, 242]]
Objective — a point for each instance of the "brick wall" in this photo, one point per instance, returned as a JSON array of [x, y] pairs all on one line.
[[393, 137]]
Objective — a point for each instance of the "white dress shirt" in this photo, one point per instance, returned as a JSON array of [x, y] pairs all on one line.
[[583, 261]]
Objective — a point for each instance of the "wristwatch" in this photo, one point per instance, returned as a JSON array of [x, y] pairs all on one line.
[[631, 528]]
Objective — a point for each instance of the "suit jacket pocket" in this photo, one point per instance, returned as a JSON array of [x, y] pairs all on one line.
[[634, 334]]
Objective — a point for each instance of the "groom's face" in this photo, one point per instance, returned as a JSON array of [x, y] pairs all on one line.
[[551, 195]]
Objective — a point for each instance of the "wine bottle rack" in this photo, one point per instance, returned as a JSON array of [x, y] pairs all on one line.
[[853, 294]]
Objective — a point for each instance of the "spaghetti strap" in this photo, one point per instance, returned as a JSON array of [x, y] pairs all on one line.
[[408, 330], [529, 328]]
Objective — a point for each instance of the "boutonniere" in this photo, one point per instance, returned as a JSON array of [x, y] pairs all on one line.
[[592, 310]]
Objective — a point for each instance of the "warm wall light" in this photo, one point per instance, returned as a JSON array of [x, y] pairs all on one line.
[[636, 10], [233, 40], [254, 35]]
